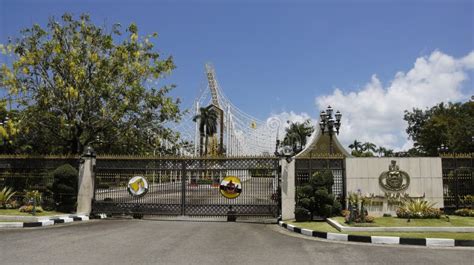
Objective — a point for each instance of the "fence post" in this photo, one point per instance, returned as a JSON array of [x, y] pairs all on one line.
[[86, 182], [288, 189]]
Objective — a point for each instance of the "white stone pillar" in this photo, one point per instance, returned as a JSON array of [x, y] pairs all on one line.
[[288, 189], [86, 182]]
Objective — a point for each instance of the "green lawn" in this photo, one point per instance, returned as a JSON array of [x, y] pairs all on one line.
[[454, 221], [16, 212], [324, 227]]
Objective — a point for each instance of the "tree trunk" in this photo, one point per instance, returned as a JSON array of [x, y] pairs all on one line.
[[201, 136], [205, 147]]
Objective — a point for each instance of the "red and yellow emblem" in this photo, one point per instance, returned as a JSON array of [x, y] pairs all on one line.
[[230, 187]]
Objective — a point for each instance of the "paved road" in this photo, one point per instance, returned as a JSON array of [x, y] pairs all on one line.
[[126, 241]]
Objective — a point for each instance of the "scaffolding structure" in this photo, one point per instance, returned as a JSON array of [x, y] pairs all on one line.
[[241, 135]]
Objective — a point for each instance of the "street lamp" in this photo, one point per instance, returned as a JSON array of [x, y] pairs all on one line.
[[330, 125]]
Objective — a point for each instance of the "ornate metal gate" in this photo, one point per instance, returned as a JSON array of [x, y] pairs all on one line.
[[458, 179], [187, 186]]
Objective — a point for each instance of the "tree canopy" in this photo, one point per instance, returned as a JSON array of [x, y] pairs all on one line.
[[76, 84], [451, 125], [297, 134], [207, 119]]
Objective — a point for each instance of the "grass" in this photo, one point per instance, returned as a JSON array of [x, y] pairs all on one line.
[[325, 227], [18, 213], [454, 221]]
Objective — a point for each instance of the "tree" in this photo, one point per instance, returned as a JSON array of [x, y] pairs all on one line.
[[450, 124], [317, 197], [207, 118], [77, 85], [381, 150], [356, 145], [367, 147], [297, 134]]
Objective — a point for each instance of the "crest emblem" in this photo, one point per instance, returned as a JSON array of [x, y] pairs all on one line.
[[137, 186], [394, 179], [231, 187]]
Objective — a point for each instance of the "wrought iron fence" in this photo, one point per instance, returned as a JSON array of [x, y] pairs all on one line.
[[187, 186], [458, 179], [25, 173], [306, 167]]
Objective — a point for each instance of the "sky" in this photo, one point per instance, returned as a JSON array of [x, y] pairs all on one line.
[[290, 59]]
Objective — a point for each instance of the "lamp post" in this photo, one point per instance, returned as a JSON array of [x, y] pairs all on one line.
[[330, 125]]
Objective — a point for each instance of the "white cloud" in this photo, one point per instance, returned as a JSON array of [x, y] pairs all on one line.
[[375, 112]]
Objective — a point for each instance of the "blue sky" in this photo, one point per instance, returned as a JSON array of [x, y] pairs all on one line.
[[274, 57]]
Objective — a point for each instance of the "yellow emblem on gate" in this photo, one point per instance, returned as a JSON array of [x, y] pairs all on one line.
[[230, 187], [137, 186]]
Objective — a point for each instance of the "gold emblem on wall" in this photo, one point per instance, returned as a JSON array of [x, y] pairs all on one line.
[[394, 179]]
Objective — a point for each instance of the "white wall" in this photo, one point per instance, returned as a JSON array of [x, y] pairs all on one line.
[[425, 176]]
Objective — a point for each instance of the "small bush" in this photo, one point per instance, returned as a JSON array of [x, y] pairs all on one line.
[[33, 197], [204, 181], [369, 219], [464, 212], [12, 204], [387, 215], [302, 214], [29, 209], [65, 188]]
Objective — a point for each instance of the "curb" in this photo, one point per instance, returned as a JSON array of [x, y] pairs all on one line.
[[388, 240], [52, 221]]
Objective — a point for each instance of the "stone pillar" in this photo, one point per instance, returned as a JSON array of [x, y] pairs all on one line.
[[288, 189], [86, 182]]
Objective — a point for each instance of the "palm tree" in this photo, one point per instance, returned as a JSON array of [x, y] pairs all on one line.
[[381, 150], [356, 145], [207, 126], [388, 152], [297, 133], [368, 146]]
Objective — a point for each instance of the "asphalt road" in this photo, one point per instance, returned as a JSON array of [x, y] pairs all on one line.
[[127, 241]]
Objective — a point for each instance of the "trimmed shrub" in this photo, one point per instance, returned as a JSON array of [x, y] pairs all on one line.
[[464, 212], [302, 214], [369, 219], [65, 188], [29, 209], [316, 196]]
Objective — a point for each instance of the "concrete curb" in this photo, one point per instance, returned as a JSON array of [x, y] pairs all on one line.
[[51, 221], [342, 228], [390, 240]]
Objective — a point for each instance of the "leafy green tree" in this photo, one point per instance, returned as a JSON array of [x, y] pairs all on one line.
[[207, 118], [297, 134], [450, 124], [78, 84]]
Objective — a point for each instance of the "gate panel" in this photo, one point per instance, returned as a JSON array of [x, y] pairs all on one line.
[[188, 186]]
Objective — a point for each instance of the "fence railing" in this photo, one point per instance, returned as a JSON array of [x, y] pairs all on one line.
[[27, 173], [458, 179]]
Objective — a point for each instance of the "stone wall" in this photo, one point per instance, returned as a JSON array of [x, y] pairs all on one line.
[[425, 178]]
